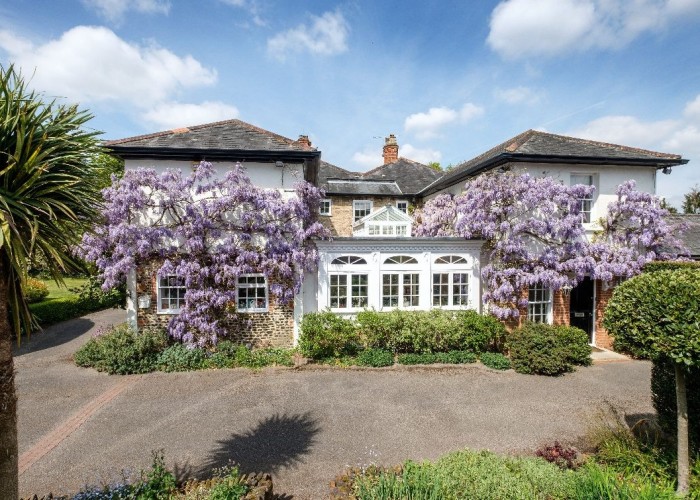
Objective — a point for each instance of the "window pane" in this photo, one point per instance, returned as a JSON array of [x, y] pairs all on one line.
[[359, 290], [410, 290], [390, 290], [460, 289], [441, 289]]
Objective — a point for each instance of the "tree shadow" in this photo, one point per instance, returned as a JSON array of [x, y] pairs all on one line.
[[276, 442], [53, 336]]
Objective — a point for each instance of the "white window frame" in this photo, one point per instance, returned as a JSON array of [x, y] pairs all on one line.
[[161, 287], [355, 208], [325, 207], [587, 215], [401, 296], [546, 301], [348, 290], [400, 202], [450, 288], [248, 286]]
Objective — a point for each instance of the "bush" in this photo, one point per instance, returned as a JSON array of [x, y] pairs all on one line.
[[542, 349], [416, 359], [495, 360], [51, 311], [563, 456], [178, 358], [92, 293], [123, 351], [451, 357], [35, 290], [375, 357], [663, 390], [324, 334]]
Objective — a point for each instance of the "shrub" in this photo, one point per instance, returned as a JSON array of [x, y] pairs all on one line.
[[324, 334], [477, 332], [378, 329], [123, 351], [92, 293], [51, 311], [495, 360], [416, 359], [563, 456], [178, 358], [543, 349], [455, 357], [663, 390], [375, 358], [35, 290]]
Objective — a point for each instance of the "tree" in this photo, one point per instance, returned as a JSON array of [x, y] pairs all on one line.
[[532, 228], [208, 230], [657, 315], [435, 165], [691, 201], [668, 207], [48, 195]]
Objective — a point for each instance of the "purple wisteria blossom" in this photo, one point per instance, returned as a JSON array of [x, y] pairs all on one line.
[[209, 231]]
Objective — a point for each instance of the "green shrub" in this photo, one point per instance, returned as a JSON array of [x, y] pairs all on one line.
[[669, 265], [92, 293], [51, 311], [123, 351], [663, 390], [378, 329], [495, 360], [324, 334], [35, 290], [178, 358], [542, 349], [477, 332], [375, 358], [417, 359], [455, 357], [225, 354]]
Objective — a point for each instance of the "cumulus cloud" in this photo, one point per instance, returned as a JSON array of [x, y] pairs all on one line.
[[521, 28], [168, 115], [368, 158], [326, 35], [422, 155], [427, 125], [114, 10], [251, 6], [517, 95], [679, 134]]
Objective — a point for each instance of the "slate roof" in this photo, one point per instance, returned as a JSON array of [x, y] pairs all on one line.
[[537, 146], [691, 236], [403, 177], [229, 135]]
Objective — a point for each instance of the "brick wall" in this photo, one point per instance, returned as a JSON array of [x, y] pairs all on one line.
[[274, 328], [341, 218], [602, 337]]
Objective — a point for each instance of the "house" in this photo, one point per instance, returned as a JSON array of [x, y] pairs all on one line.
[[373, 261]]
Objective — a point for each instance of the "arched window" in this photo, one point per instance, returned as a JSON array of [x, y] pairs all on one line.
[[451, 259], [401, 259], [349, 259]]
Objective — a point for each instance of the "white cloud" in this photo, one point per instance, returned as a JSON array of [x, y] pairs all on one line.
[[114, 10], [251, 6], [368, 159], [92, 64], [326, 35], [679, 135], [168, 115], [521, 28], [517, 95], [422, 155], [426, 125]]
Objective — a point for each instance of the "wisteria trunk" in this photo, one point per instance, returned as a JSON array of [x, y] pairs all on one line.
[[9, 485]]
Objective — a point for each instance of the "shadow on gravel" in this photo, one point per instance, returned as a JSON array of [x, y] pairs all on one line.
[[276, 442], [54, 335]]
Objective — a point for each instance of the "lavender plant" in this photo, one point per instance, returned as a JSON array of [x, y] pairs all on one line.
[[209, 230]]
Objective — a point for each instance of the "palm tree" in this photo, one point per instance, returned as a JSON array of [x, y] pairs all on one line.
[[48, 196]]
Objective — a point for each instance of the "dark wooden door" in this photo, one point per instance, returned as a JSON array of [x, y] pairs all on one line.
[[581, 307]]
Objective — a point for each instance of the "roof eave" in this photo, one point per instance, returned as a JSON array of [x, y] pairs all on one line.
[[198, 154]]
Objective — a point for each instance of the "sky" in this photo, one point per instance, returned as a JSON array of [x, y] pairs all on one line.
[[450, 78]]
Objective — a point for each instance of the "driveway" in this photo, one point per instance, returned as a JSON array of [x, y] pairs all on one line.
[[305, 426]]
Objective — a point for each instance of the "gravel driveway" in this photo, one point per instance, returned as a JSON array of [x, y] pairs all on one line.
[[304, 426]]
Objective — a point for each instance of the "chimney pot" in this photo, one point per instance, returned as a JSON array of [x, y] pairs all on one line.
[[390, 152], [304, 140]]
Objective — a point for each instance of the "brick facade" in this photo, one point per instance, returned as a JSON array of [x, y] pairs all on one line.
[[602, 296], [274, 328], [341, 219]]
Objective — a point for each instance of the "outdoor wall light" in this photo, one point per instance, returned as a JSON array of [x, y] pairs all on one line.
[[566, 290], [666, 170], [144, 301]]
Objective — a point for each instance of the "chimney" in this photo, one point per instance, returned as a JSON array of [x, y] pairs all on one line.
[[304, 141], [391, 149]]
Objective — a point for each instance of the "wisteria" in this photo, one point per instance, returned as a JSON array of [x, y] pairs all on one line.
[[534, 234], [208, 230]]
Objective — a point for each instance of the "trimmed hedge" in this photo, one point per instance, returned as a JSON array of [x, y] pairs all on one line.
[[60, 309], [325, 335], [670, 265], [537, 348], [663, 390]]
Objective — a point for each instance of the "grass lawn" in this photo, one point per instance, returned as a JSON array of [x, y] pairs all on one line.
[[56, 292]]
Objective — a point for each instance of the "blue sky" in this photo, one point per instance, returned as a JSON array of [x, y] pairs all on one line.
[[450, 78]]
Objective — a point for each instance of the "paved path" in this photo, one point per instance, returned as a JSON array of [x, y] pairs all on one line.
[[305, 426]]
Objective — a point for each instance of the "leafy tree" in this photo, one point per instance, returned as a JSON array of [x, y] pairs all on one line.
[[657, 315], [209, 230], [435, 165], [48, 196], [691, 201]]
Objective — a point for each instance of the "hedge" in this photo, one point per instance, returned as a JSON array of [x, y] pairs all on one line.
[[670, 265], [548, 349]]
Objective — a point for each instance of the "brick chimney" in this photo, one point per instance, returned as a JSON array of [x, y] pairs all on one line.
[[391, 149], [304, 141]]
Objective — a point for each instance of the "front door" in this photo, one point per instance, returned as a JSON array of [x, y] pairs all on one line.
[[581, 307]]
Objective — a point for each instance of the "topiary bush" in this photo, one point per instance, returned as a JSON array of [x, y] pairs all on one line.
[[538, 348], [375, 358], [123, 351], [325, 334], [35, 290], [495, 360]]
